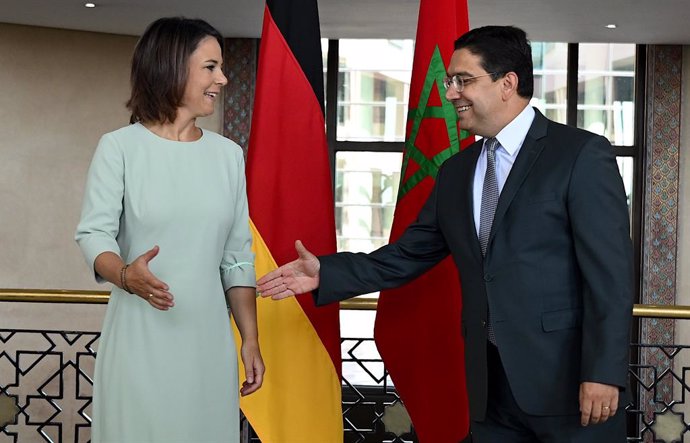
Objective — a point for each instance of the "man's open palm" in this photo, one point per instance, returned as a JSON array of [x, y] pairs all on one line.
[[297, 277]]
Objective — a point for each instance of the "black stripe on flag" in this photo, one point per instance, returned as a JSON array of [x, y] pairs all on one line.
[[298, 22]]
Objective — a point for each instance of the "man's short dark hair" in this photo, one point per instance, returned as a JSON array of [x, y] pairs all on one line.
[[160, 67], [502, 49]]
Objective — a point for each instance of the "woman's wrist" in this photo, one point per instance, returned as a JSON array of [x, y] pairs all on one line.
[[250, 341], [123, 278]]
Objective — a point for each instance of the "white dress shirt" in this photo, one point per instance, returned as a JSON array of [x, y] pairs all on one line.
[[511, 138]]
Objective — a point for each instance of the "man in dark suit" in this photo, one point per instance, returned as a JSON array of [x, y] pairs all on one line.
[[535, 217]]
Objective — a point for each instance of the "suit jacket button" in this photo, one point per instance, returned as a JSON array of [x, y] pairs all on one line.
[[484, 323], [488, 277]]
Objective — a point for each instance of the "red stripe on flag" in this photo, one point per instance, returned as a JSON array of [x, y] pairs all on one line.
[[418, 330], [288, 175]]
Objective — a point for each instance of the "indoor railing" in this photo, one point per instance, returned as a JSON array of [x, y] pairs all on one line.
[[46, 380]]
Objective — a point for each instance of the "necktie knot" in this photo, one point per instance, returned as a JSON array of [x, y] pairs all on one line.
[[491, 145]]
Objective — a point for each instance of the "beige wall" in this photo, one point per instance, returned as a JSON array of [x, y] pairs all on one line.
[[59, 91]]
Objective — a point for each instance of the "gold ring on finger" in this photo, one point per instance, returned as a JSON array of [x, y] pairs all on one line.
[[150, 296]]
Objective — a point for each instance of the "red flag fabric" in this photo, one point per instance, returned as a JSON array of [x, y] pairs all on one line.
[[290, 197], [417, 328]]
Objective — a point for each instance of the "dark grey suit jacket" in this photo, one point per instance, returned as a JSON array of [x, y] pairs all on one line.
[[557, 276]]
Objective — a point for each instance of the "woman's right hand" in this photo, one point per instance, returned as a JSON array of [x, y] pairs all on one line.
[[141, 281]]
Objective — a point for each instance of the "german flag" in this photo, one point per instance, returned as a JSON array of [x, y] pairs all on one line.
[[290, 196]]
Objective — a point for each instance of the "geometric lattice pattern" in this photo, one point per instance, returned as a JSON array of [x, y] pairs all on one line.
[[660, 414], [46, 382], [49, 377], [372, 409]]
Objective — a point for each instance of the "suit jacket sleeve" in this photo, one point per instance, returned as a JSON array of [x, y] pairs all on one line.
[[422, 245], [601, 235]]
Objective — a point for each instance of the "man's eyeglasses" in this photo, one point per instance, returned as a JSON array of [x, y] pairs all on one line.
[[459, 82]]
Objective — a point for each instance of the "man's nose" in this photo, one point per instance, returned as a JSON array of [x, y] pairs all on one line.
[[452, 94]]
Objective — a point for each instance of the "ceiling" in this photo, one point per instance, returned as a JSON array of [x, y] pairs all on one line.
[[638, 21]]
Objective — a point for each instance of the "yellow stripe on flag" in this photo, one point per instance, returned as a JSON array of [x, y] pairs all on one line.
[[296, 362]]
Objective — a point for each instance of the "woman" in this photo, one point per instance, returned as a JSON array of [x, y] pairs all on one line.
[[165, 220]]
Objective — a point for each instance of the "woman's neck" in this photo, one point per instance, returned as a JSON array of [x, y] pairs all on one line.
[[179, 130]]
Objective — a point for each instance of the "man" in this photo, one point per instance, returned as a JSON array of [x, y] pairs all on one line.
[[535, 217]]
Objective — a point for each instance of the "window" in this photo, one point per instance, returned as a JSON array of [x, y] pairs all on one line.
[[366, 187], [606, 91], [366, 135], [605, 96], [550, 79], [372, 93]]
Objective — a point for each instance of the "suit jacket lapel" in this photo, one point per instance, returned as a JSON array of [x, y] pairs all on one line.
[[467, 204], [529, 152]]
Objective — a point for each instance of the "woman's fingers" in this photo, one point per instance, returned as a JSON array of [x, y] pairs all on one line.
[[159, 300]]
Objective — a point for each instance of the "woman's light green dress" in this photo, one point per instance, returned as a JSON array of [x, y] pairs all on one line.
[[168, 376]]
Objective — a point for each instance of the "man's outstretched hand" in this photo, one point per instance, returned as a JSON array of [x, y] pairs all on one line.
[[296, 277]]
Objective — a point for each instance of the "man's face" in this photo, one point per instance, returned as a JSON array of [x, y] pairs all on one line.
[[479, 103]]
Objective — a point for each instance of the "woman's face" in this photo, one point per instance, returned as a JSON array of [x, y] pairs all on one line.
[[205, 80]]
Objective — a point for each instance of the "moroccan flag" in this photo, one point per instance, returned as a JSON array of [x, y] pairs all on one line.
[[291, 197], [417, 327]]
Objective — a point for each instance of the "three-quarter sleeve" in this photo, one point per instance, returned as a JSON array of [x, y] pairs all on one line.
[[100, 216], [237, 265]]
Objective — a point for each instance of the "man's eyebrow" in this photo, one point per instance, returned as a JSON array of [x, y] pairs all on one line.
[[461, 74]]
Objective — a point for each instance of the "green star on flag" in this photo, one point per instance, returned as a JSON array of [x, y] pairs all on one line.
[[446, 111]]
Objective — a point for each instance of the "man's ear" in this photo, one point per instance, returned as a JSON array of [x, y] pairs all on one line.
[[509, 85]]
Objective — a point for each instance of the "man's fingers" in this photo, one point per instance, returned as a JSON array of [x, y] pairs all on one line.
[[277, 292], [276, 273], [596, 414], [586, 414], [273, 287], [302, 251], [613, 404], [283, 294], [271, 284], [605, 413], [598, 402]]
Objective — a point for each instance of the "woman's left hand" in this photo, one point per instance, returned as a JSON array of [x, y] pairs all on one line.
[[253, 367]]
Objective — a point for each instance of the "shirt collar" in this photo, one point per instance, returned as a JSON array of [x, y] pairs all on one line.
[[513, 134]]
